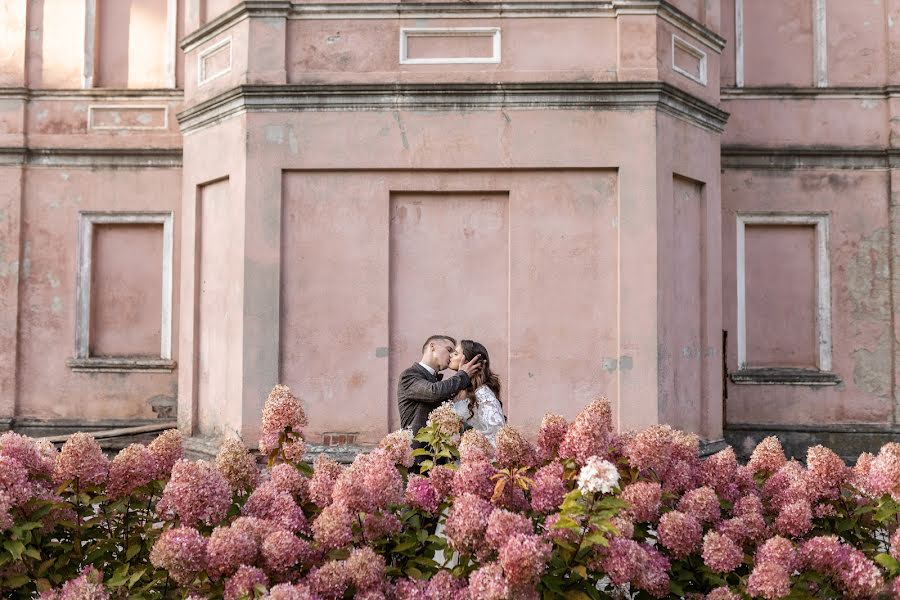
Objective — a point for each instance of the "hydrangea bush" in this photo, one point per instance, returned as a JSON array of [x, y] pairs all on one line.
[[583, 513]]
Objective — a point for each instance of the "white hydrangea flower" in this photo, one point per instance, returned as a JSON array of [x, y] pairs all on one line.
[[598, 475]]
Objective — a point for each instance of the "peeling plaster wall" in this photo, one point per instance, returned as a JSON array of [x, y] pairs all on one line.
[[862, 345], [53, 197]]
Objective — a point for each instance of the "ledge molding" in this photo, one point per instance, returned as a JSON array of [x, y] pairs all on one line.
[[121, 365]]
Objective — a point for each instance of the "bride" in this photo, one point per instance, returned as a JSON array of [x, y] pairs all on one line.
[[479, 406]]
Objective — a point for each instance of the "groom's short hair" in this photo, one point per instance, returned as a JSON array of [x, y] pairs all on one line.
[[437, 337]]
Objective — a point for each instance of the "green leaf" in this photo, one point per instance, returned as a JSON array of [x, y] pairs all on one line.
[[119, 577], [566, 523], [414, 572], [32, 552], [133, 549], [402, 547], [597, 538], [421, 452], [888, 562], [16, 581], [135, 577], [14, 547]]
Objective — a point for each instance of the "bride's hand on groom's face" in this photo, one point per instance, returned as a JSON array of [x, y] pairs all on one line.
[[473, 366]]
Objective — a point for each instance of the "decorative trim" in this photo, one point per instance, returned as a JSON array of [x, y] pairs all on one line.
[[452, 10], [406, 33], [820, 35], [106, 94], [90, 35], [805, 377], [786, 159], [739, 43], [823, 280], [110, 158], [697, 53], [120, 365], [87, 220], [163, 107], [455, 97], [203, 76], [169, 52]]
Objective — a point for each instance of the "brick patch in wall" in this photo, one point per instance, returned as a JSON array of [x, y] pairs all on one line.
[[343, 438]]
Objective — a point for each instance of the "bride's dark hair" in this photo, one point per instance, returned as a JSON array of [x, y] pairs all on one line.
[[484, 377]]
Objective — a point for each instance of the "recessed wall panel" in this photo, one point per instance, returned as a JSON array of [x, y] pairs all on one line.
[[449, 275]]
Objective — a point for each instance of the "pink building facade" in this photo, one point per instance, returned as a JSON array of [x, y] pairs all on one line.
[[685, 206]]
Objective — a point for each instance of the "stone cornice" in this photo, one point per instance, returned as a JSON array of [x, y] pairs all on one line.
[[809, 93], [105, 94], [110, 158], [791, 158], [414, 10], [455, 97]]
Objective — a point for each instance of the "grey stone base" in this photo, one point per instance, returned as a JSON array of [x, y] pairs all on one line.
[[847, 440], [48, 428]]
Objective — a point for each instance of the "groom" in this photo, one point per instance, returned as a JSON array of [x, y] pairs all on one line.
[[421, 387]]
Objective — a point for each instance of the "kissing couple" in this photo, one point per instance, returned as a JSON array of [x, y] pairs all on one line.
[[474, 389]]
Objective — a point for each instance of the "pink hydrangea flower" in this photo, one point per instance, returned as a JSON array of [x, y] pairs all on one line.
[[421, 494], [720, 553], [38, 459], [282, 550], [326, 471], [769, 580], [475, 446], [786, 485], [624, 560], [167, 449], [467, 523], [826, 472], [287, 478], [749, 527], [87, 586], [441, 478], [679, 533], [859, 474], [286, 591], [644, 498], [720, 472], [702, 503], [513, 450], [444, 586], [132, 468], [398, 446], [196, 492], [81, 458], [282, 411], [371, 483], [524, 557], [380, 525], [767, 457], [859, 576], [445, 421], [795, 519], [6, 520], [625, 526], [365, 569], [228, 548], [722, 593], [14, 482], [182, 552], [268, 502], [330, 581], [488, 583], [884, 472], [555, 533], [895, 544], [237, 465], [777, 550], [747, 504], [548, 488], [333, 528], [503, 524], [474, 477], [550, 436], [590, 434], [654, 577], [672, 455], [241, 584]]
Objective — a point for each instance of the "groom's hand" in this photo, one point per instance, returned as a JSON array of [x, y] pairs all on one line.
[[473, 366]]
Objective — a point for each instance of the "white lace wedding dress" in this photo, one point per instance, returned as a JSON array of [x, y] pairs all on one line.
[[488, 415]]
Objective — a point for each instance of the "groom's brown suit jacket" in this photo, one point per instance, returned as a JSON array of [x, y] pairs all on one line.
[[419, 392]]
